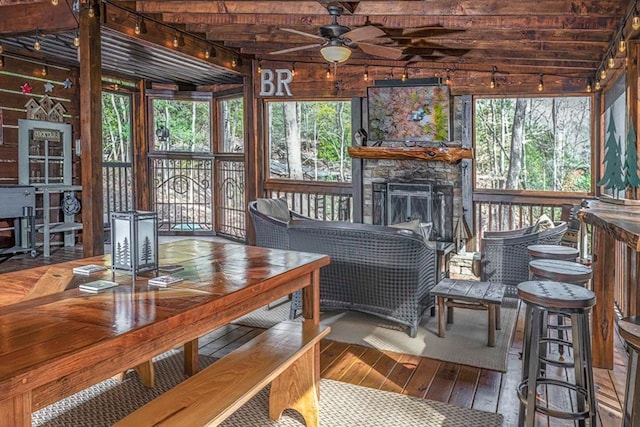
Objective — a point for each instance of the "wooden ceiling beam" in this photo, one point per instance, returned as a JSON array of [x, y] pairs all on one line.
[[486, 22], [25, 18], [592, 8]]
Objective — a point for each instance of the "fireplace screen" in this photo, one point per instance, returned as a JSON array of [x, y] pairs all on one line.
[[396, 202]]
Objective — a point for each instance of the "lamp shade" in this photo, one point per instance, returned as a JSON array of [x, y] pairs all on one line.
[[335, 53]]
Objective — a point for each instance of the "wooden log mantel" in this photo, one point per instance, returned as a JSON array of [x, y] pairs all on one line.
[[444, 154]]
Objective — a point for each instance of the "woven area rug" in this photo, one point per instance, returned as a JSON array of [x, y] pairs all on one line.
[[465, 340], [341, 405]]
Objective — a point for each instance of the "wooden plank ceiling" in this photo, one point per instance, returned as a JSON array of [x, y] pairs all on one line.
[[567, 38]]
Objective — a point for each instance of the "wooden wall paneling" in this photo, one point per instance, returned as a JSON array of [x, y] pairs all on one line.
[[91, 127], [603, 278]]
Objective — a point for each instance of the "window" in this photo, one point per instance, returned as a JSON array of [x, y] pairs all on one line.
[[181, 125], [541, 144], [309, 140], [232, 116]]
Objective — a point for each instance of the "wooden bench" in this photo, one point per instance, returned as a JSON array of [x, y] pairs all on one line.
[[283, 355], [473, 295]]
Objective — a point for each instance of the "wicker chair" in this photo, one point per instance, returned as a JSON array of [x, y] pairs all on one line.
[[504, 257], [384, 271], [271, 232]]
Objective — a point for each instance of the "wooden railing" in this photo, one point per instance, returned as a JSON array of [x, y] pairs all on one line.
[[328, 201], [507, 210]]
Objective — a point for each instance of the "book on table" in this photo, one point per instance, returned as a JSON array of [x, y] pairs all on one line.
[[97, 286], [88, 269], [164, 281], [171, 268]]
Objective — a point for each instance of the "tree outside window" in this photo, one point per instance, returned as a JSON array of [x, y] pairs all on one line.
[[541, 144], [309, 140]]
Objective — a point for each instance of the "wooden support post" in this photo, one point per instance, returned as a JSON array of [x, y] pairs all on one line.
[[91, 131], [603, 286]]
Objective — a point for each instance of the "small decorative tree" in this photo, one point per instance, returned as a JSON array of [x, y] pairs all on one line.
[[631, 159], [613, 177]]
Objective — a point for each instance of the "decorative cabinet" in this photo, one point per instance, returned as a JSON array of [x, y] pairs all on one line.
[[44, 154]]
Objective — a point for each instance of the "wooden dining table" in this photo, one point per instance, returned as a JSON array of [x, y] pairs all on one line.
[[56, 340]]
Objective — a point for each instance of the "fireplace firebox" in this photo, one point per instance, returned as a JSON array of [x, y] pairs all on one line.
[[429, 202]]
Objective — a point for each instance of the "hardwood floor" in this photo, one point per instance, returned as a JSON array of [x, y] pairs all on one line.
[[416, 376]]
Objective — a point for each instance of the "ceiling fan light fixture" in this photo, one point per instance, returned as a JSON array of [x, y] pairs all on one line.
[[334, 53]]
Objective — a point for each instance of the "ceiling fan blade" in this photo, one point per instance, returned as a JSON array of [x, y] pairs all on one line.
[[302, 33], [383, 51], [295, 49], [364, 33]]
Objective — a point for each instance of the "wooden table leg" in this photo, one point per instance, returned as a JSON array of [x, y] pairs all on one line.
[[491, 341], [191, 357], [441, 308], [16, 411], [498, 316], [449, 314]]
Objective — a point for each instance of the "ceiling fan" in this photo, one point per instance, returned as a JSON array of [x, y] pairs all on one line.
[[339, 40]]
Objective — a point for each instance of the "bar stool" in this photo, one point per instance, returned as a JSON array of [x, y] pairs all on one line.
[[629, 329], [560, 271], [565, 253], [540, 297]]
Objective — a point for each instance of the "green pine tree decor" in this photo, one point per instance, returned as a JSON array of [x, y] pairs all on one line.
[[613, 177], [631, 159]]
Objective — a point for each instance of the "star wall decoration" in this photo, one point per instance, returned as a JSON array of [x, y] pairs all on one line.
[[48, 87], [68, 83], [25, 88]]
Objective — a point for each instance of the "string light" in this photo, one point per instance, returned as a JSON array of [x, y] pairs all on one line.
[[598, 85], [36, 43], [175, 41], [404, 73], [540, 84], [141, 27], [207, 53], [1, 61], [492, 83], [328, 71], [603, 74], [612, 62], [92, 11], [234, 62], [259, 67], [622, 46], [365, 77], [589, 87], [116, 86], [447, 79], [54, 2], [293, 69], [76, 39], [45, 70], [635, 22]]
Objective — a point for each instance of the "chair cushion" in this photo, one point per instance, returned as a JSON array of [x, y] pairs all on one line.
[[275, 208], [543, 223], [413, 225]]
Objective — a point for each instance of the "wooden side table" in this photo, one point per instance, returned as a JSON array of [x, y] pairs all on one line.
[[472, 295], [565, 253]]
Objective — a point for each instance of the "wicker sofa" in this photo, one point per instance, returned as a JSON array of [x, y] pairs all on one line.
[[384, 271], [504, 257]]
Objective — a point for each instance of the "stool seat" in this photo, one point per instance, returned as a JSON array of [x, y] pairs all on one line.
[[629, 328], [565, 253], [561, 271], [556, 295]]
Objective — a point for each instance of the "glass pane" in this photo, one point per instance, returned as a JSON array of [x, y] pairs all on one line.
[[116, 127], [309, 140], [233, 125], [541, 144], [55, 148], [182, 125]]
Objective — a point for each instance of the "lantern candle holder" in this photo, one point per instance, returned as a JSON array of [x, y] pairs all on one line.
[[134, 242]]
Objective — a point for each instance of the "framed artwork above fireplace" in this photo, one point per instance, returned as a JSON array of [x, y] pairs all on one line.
[[408, 113]]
